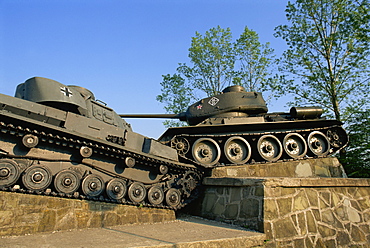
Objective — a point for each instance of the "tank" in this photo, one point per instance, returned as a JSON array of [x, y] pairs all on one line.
[[235, 128], [59, 140]]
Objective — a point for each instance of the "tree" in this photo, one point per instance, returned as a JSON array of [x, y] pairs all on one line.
[[254, 60], [327, 60], [213, 60], [217, 62], [357, 157], [176, 96]]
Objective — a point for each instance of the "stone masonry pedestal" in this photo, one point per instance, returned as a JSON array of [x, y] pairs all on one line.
[[304, 203]]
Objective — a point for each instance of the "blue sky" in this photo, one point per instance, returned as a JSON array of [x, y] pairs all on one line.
[[120, 49]]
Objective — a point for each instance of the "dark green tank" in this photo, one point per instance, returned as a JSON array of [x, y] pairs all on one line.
[[234, 128], [59, 140]]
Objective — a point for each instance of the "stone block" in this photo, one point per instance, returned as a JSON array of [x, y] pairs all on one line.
[[326, 231], [28, 219], [300, 201], [270, 209], [284, 228], [209, 201], [47, 222], [129, 218], [6, 218], [143, 217], [250, 208], [111, 218], [309, 242], [285, 206], [218, 209], [322, 171], [82, 218], [316, 214], [303, 169], [302, 224], [299, 242], [246, 192], [343, 238], [259, 190], [311, 222], [312, 197], [355, 205], [95, 220], [357, 234], [366, 216], [8, 203], [66, 220], [231, 211], [235, 194]]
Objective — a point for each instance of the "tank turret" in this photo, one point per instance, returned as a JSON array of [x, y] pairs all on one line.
[[233, 105], [233, 102]]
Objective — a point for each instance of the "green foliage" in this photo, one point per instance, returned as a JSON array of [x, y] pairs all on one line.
[[213, 61], [254, 60], [356, 160], [327, 62], [176, 96], [217, 62]]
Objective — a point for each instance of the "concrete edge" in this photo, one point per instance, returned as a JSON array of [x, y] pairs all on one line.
[[257, 240]]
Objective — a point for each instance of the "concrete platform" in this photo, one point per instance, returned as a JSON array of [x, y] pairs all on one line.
[[187, 231]]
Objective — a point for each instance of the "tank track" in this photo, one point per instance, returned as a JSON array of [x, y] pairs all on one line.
[[254, 147], [176, 187]]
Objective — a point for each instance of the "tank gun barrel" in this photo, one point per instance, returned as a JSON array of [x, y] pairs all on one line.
[[180, 117]]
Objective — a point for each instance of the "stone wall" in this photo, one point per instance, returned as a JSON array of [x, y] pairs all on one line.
[[26, 214], [294, 212]]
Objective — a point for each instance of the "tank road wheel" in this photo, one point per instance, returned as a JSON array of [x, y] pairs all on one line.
[[9, 172], [92, 185], [30, 140], [173, 197], [67, 181], [295, 145], [116, 189], [318, 143], [269, 147], [237, 150], [155, 195], [180, 144], [37, 178], [86, 152], [163, 169], [137, 192], [206, 152]]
